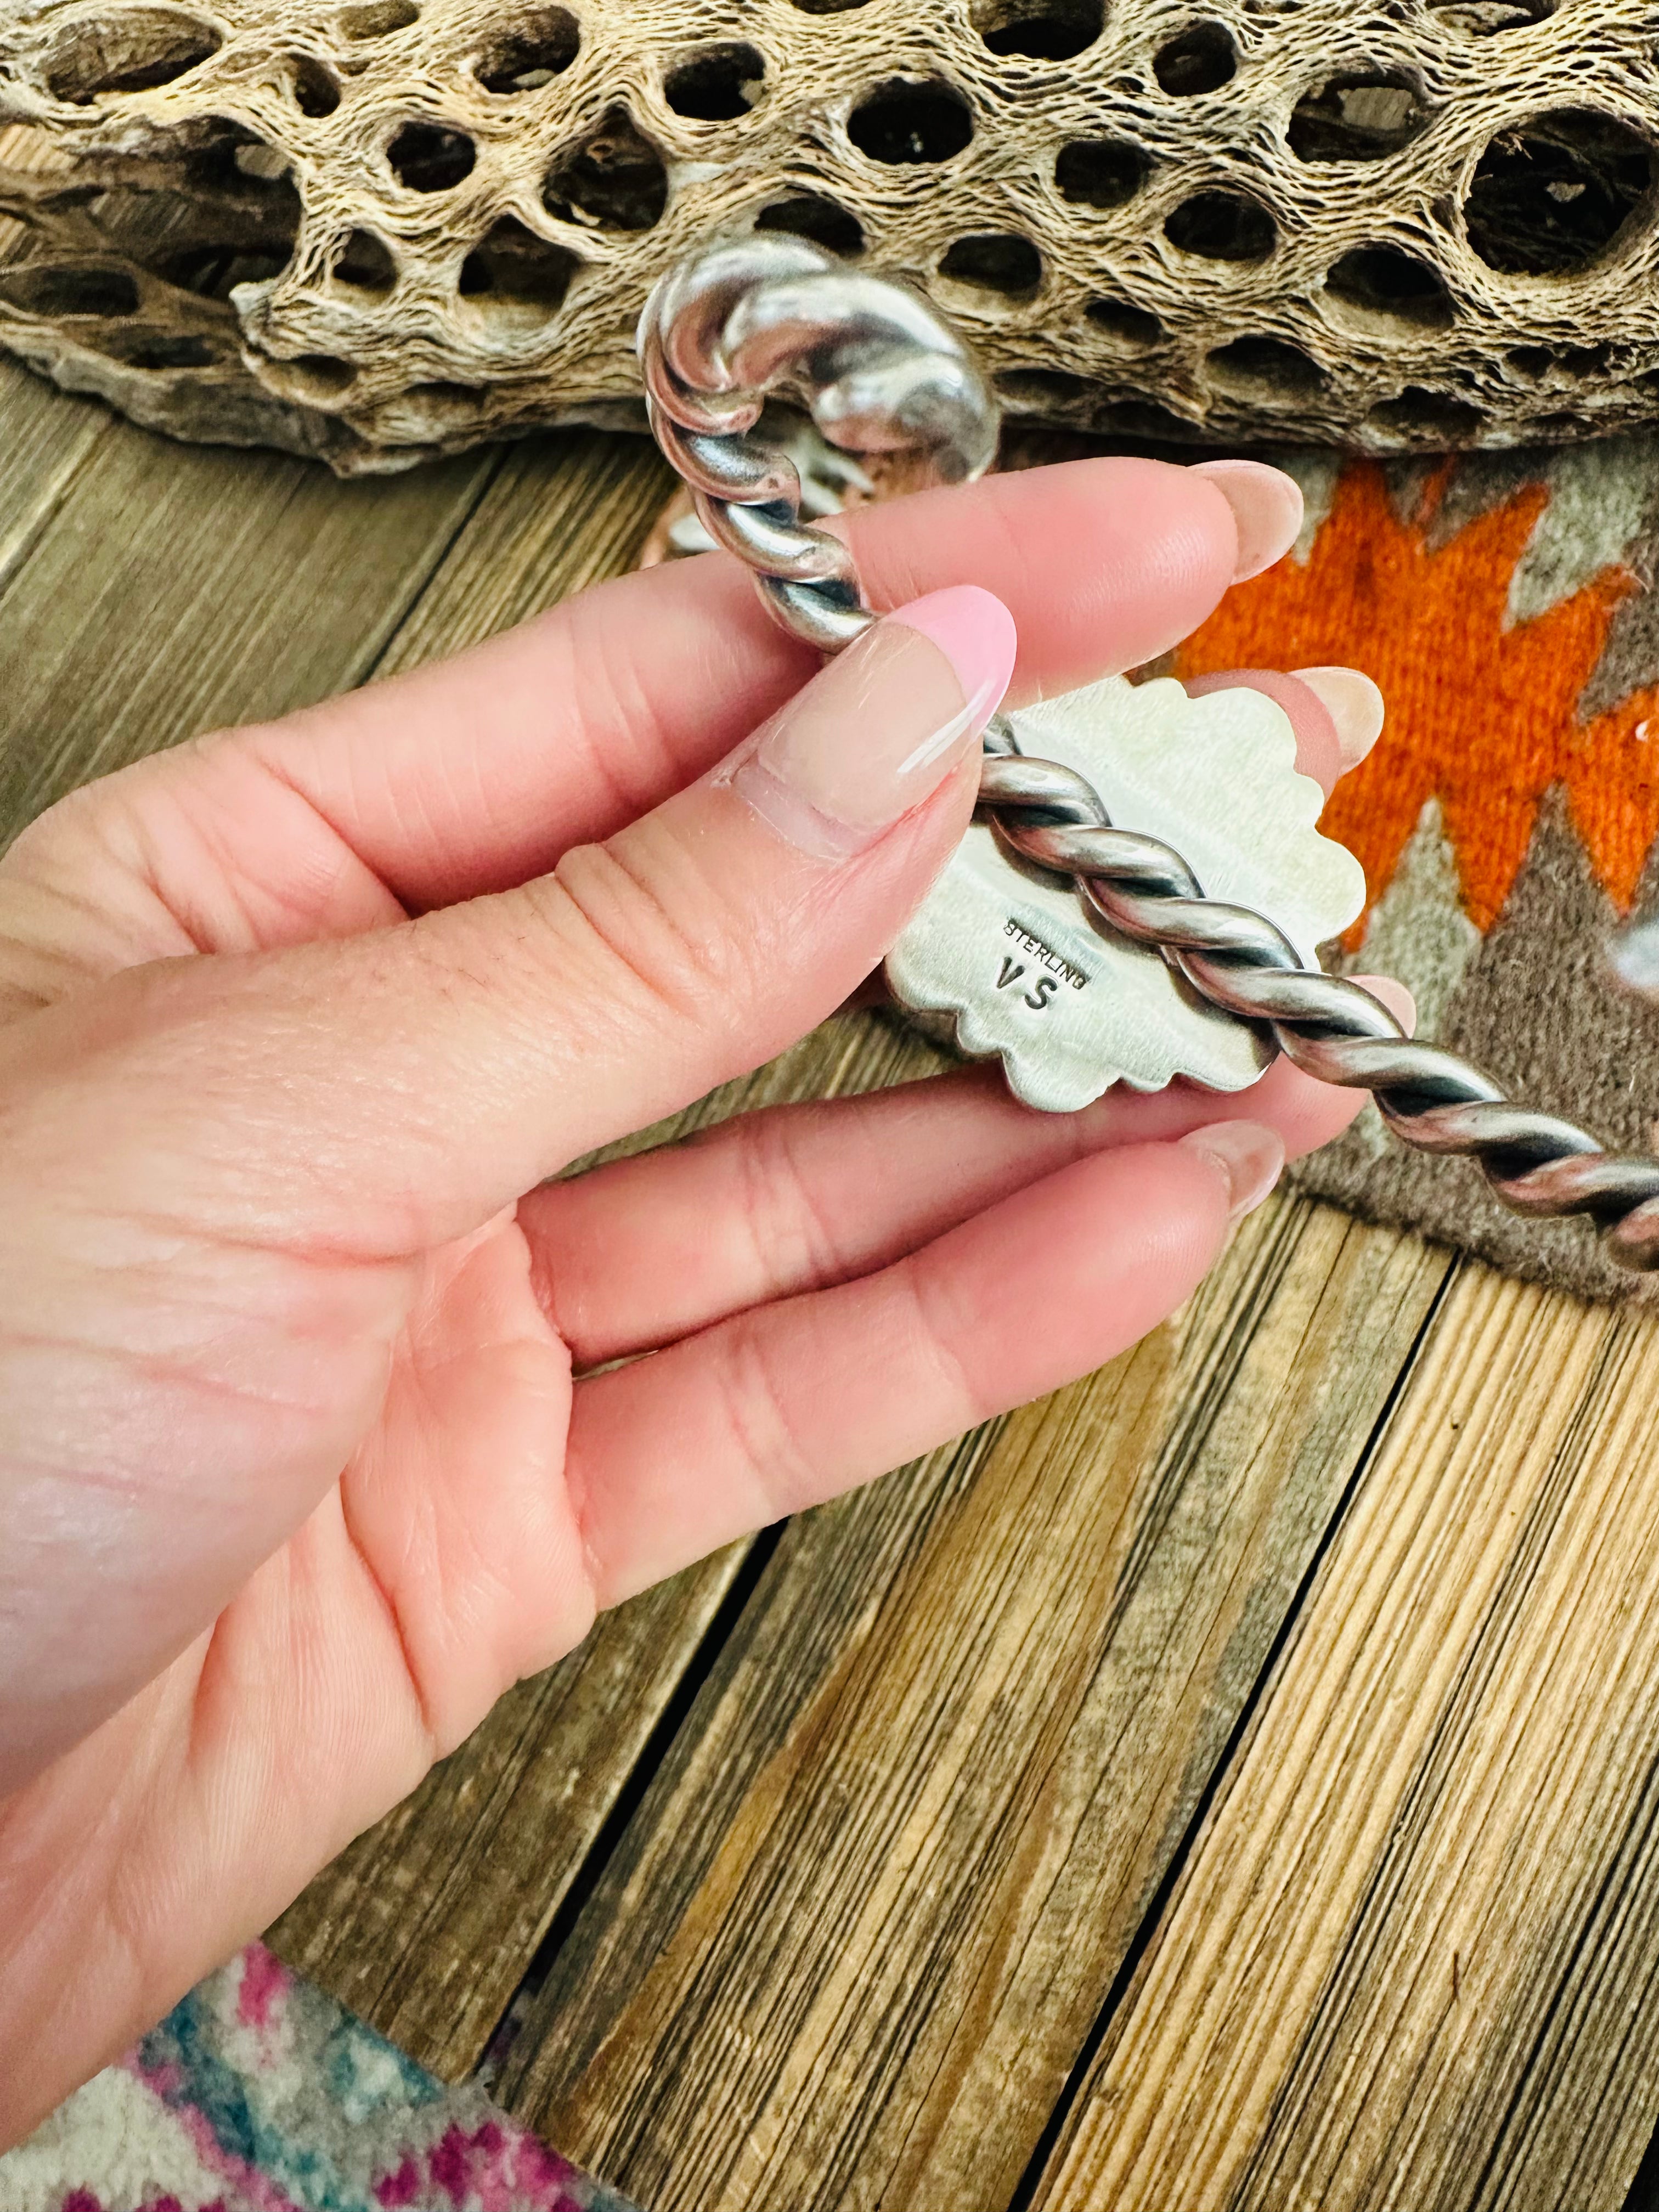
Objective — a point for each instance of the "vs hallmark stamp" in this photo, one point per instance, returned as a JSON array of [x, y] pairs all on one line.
[[1012, 959], [1041, 988]]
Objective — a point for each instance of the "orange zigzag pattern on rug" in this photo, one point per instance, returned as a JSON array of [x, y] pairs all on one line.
[[1483, 718]]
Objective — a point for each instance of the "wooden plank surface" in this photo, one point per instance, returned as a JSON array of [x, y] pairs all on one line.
[[1230, 1785], [49, 441], [956, 1811], [1415, 1959], [177, 588]]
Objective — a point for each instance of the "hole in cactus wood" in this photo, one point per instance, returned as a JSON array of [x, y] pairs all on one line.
[[1484, 19], [1533, 362], [316, 90], [1553, 194], [1143, 419], [267, 165], [161, 349], [811, 216], [1048, 30], [1356, 118], [717, 84], [1130, 325], [1386, 280], [69, 289], [1201, 59], [512, 276], [613, 180], [424, 157], [828, 7], [1265, 368], [377, 18], [430, 410], [130, 50], [213, 271], [1042, 387], [365, 263], [1427, 418], [312, 380], [540, 48], [226, 161], [1222, 226], [1101, 172], [1542, 364], [903, 121], [995, 261]]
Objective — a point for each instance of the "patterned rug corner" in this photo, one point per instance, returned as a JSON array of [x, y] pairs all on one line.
[[260, 2093]]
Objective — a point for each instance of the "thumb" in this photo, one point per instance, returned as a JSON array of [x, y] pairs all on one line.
[[393, 1090]]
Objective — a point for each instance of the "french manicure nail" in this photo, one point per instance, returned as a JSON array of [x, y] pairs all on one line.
[[1249, 1155], [1634, 957], [1353, 703], [882, 727], [1266, 506]]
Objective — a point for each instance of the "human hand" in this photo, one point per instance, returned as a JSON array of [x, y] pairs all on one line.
[[294, 1024]]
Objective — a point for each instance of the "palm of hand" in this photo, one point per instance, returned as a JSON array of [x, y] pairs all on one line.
[[307, 1471], [423, 1403]]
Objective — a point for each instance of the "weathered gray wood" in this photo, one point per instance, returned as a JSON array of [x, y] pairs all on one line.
[[49, 441], [175, 588], [965, 1759], [1415, 1961], [560, 514]]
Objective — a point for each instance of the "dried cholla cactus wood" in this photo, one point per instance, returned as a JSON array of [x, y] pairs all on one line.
[[377, 229]]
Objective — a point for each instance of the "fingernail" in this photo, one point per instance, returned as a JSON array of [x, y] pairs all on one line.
[[1395, 996], [1249, 1155], [1634, 954], [1353, 703], [1266, 506], [883, 726]]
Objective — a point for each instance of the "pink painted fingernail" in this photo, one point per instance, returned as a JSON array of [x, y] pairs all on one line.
[[975, 633], [1249, 1157], [883, 726], [1353, 703], [1266, 506]]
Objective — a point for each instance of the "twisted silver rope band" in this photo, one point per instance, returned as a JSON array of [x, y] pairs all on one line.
[[880, 372], [874, 365]]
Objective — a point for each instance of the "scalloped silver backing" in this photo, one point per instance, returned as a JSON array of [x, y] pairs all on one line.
[[1014, 960]]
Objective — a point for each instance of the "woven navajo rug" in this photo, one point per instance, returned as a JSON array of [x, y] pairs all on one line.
[[259, 2094], [1507, 819]]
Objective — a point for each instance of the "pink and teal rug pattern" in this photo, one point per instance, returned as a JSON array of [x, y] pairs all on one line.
[[259, 2094]]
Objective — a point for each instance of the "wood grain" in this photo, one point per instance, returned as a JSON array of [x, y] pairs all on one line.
[[864, 1976], [48, 442], [559, 514], [1413, 1962], [176, 588]]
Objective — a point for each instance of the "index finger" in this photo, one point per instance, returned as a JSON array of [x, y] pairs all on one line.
[[475, 774]]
